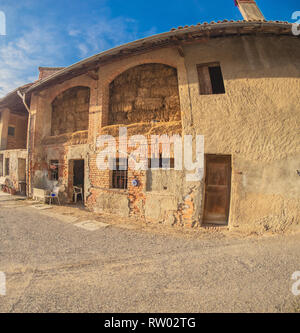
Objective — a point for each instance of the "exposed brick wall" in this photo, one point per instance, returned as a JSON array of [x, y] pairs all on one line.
[[48, 71], [81, 99], [137, 195], [99, 178]]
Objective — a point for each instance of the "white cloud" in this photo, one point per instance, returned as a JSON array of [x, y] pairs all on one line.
[[106, 33], [84, 50], [74, 32], [20, 58], [50, 43]]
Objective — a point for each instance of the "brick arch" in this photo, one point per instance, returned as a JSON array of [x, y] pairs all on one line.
[[123, 67], [144, 93], [63, 88], [70, 110]]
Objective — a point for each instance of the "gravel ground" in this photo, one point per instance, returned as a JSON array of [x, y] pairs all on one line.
[[53, 266]]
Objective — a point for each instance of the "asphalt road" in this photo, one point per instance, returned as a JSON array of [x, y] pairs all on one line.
[[53, 266]]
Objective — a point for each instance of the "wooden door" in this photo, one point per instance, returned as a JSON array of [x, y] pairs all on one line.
[[22, 169], [217, 189]]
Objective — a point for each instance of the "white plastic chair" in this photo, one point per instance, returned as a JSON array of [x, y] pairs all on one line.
[[54, 195], [77, 191]]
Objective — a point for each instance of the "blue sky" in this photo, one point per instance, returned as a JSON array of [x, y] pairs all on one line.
[[60, 33]]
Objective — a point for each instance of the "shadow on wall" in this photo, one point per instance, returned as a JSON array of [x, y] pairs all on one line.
[[248, 56]]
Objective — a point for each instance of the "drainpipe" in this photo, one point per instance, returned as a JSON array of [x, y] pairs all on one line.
[[23, 98]]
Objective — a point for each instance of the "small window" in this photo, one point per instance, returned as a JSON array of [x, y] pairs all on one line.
[[54, 170], [7, 167], [119, 176], [11, 131], [159, 163], [210, 79]]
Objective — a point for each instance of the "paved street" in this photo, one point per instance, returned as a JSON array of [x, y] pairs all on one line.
[[52, 265]]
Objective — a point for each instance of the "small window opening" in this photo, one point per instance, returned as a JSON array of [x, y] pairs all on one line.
[[11, 131], [120, 175], [54, 169], [210, 79]]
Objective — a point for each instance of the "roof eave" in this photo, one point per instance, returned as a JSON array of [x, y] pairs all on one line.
[[11, 97], [206, 27]]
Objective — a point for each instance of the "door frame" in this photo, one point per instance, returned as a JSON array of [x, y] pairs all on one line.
[[204, 190], [71, 178]]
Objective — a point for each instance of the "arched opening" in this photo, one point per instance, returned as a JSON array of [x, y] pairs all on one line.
[[144, 93], [70, 111]]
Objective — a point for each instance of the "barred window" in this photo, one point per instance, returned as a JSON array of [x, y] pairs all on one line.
[[54, 170], [120, 175]]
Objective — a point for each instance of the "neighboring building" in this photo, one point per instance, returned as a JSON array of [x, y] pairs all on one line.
[[13, 141], [236, 83]]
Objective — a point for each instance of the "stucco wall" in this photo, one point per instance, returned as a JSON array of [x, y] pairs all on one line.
[[18, 141], [19, 123], [256, 121], [14, 156], [4, 119]]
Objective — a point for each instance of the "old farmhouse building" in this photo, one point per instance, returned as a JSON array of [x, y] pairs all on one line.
[[237, 83]]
